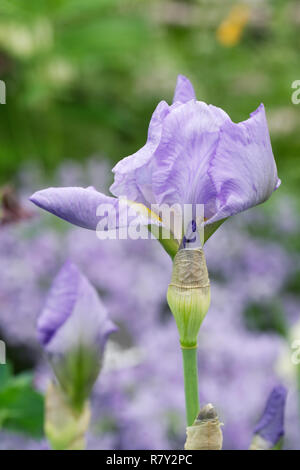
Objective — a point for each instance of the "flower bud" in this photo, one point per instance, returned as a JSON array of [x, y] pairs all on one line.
[[73, 329], [189, 293], [270, 429], [205, 433]]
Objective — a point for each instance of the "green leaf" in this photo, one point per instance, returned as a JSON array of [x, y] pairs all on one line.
[[5, 374], [21, 406]]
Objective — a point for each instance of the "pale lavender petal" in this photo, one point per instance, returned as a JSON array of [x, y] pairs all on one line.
[[90, 209], [271, 425], [180, 166], [75, 205], [243, 169], [127, 182], [184, 90]]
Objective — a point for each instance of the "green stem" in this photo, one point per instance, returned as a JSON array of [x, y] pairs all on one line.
[[190, 370]]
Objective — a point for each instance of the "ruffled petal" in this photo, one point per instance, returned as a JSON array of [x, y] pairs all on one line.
[[128, 181], [188, 143], [243, 169], [184, 90]]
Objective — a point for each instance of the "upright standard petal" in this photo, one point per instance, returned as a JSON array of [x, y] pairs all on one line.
[[132, 178], [180, 165], [243, 169], [184, 90], [133, 174], [271, 425]]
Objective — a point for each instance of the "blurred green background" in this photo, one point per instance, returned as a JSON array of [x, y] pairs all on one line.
[[83, 77]]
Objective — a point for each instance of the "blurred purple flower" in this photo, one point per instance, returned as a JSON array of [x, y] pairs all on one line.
[[73, 328], [194, 154], [15, 441], [271, 425]]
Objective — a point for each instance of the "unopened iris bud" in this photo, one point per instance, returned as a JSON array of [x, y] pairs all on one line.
[[269, 430], [189, 293], [205, 433], [73, 329]]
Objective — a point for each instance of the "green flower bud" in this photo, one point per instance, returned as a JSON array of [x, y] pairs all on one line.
[[65, 428], [189, 294]]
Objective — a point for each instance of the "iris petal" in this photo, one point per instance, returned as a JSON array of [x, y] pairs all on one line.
[[184, 90], [243, 169]]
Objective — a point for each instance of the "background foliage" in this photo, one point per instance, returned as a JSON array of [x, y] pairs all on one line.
[[84, 77]]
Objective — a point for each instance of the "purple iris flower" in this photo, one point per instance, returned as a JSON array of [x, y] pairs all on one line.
[[194, 154], [73, 329], [271, 425]]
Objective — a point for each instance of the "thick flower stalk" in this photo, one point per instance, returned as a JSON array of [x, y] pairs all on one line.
[[73, 329], [269, 431]]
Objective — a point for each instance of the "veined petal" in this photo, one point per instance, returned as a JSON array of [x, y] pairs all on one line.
[[184, 90], [90, 209], [75, 205], [126, 182], [188, 143], [243, 169]]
